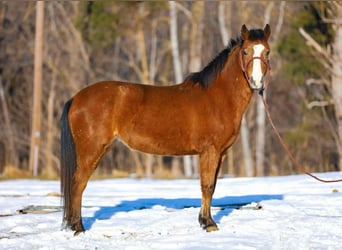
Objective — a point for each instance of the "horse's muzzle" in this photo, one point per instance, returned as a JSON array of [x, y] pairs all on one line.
[[257, 85]]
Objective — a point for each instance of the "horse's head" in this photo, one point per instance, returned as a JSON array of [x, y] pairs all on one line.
[[254, 56]]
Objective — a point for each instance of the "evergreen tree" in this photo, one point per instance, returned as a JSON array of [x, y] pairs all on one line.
[[300, 64]]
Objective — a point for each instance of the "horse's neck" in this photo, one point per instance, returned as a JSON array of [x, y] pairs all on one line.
[[232, 83]]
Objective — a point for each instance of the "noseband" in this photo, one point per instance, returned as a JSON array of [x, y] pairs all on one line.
[[245, 66]]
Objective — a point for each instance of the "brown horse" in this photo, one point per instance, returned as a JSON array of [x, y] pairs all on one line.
[[201, 116]]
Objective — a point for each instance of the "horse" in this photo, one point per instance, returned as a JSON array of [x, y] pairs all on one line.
[[202, 116]]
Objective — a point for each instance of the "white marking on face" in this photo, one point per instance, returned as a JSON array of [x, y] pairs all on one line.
[[257, 70]]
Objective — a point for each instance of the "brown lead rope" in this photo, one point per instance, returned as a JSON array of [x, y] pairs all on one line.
[[294, 161]]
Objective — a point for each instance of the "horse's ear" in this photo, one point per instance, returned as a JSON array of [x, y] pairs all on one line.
[[244, 32], [267, 31]]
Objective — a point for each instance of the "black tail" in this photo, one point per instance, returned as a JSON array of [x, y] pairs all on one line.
[[68, 162]]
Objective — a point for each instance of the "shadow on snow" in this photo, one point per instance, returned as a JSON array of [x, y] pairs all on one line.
[[226, 205]]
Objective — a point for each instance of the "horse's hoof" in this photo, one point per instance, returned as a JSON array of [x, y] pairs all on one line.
[[211, 228], [78, 232], [78, 228], [207, 224]]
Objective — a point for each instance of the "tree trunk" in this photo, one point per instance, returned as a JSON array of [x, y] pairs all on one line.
[[196, 35], [48, 170], [261, 117], [224, 7], [195, 49], [247, 155], [36, 110], [336, 79], [224, 17], [144, 77], [11, 156], [260, 141], [177, 67]]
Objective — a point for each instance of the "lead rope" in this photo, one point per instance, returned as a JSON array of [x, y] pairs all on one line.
[[281, 140]]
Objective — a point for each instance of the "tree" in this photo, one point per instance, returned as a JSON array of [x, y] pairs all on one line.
[[337, 75], [89, 41], [12, 159], [224, 11], [177, 67], [332, 61], [261, 118], [310, 68], [37, 90]]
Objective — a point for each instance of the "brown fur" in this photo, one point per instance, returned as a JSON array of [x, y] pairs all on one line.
[[187, 118]]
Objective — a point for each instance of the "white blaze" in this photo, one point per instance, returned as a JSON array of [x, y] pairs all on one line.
[[257, 70]]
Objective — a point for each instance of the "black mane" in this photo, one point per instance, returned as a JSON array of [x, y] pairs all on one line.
[[206, 76]]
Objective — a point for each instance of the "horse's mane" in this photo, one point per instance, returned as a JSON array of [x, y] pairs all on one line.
[[206, 76]]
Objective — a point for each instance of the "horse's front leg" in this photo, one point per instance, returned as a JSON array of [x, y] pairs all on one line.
[[210, 162]]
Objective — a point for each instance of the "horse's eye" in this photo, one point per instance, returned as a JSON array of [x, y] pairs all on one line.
[[268, 53], [245, 53]]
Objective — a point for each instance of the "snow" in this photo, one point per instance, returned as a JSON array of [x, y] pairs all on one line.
[[296, 212]]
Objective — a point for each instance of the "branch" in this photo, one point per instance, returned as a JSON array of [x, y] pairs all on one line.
[[332, 20], [76, 37], [183, 9], [222, 23], [320, 81], [280, 20], [131, 63], [311, 42], [313, 104], [267, 14]]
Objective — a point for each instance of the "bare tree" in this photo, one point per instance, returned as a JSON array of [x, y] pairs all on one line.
[[261, 123], [137, 49], [224, 15], [337, 76], [332, 60], [8, 131], [177, 67], [37, 90], [196, 38]]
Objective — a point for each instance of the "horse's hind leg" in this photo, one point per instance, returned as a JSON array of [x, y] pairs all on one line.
[[86, 133], [91, 140], [79, 183], [88, 157], [209, 166]]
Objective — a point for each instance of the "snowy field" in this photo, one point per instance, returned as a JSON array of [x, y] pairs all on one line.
[[294, 212]]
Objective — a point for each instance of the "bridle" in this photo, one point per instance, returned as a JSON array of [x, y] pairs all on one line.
[[244, 67]]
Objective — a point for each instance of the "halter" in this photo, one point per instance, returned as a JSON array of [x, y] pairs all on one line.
[[245, 73]]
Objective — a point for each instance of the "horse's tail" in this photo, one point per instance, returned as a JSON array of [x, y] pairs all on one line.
[[68, 162]]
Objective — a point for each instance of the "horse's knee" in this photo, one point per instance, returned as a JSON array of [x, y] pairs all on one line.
[[208, 189]]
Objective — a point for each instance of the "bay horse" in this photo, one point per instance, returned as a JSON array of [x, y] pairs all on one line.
[[201, 115]]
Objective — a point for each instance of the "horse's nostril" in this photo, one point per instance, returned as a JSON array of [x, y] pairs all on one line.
[[251, 79]]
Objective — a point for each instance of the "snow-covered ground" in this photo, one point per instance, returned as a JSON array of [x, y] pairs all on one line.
[[296, 212]]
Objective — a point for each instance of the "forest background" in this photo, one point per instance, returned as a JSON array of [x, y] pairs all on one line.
[[160, 43]]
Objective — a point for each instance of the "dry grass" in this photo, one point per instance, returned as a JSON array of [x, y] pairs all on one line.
[[163, 173], [159, 172], [12, 172]]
